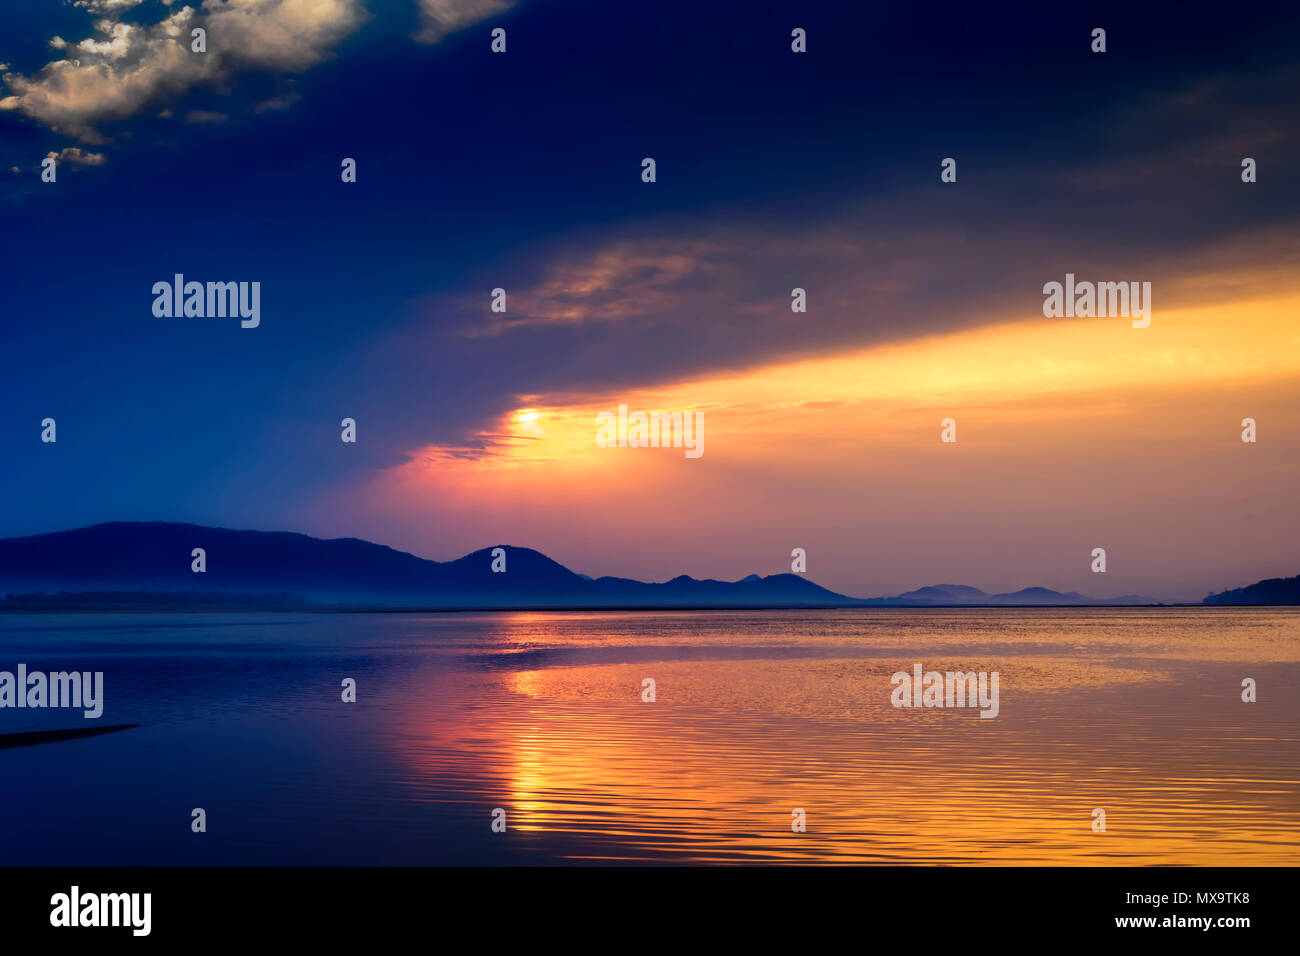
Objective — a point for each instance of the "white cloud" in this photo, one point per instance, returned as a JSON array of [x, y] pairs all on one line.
[[75, 156], [276, 103], [107, 6], [205, 117], [438, 18], [113, 49], [127, 68]]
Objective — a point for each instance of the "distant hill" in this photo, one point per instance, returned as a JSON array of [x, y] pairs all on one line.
[[147, 565], [961, 595], [94, 566], [1271, 591], [946, 594]]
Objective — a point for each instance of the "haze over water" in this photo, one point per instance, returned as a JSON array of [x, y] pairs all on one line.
[[1136, 711]]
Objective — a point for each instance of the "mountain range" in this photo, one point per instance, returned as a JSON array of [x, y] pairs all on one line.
[[148, 564], [962, 595], [1271, 591], [153, 562]]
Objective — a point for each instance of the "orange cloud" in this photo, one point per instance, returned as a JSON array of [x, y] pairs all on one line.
[[1072, 433]]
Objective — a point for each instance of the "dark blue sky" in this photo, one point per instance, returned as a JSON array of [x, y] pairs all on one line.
[[478, 171]]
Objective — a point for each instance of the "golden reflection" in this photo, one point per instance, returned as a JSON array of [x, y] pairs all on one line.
[[742, 734]]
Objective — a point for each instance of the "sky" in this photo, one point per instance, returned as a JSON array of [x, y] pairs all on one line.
[[775, 170]]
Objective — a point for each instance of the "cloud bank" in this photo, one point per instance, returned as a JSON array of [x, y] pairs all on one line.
[[127, 68]]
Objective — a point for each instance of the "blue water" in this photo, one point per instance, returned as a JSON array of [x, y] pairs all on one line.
[[1136, 710]]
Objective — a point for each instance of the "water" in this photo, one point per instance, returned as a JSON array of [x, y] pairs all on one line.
[[1134, 711]]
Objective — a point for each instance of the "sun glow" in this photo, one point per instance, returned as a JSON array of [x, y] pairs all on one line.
[[1014, 371], [1046, 410]]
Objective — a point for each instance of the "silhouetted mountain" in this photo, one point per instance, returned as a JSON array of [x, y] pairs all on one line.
[[961, 595], [1271, 591], [148, 564], [280, 569], [946, 594], [1040, 596]]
